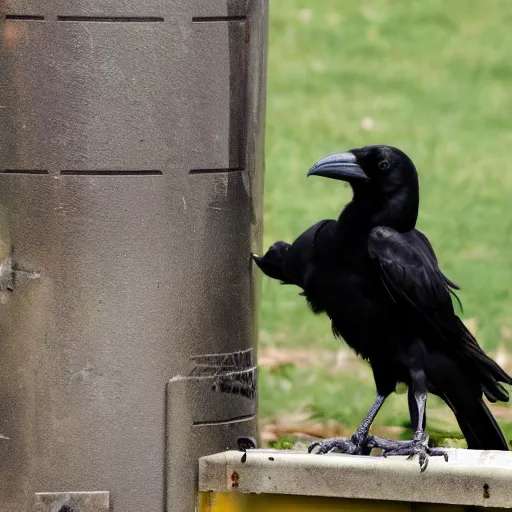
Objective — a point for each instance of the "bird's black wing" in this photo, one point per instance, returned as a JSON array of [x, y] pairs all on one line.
[[422, 242], [409, 271]]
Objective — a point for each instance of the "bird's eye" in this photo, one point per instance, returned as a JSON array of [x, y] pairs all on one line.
[[383, 165]]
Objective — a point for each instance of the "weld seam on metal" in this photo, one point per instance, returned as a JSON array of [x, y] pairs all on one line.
[[112, 19]]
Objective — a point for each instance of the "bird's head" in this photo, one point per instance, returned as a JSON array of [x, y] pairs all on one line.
[[381, 176], [374, 167]]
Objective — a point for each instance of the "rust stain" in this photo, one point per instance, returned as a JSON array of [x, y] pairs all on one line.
[[235, 477]]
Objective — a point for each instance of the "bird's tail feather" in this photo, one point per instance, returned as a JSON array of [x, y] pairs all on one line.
[[487, 371], [478, 426]]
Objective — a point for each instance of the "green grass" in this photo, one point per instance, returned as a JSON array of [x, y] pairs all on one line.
[[435, 77]]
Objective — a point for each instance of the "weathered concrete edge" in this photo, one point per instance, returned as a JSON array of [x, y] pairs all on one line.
[[473, 477]]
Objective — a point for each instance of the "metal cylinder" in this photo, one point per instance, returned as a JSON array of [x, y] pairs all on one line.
[[131, 168]]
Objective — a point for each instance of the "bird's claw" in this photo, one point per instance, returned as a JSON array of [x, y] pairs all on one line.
[[357, 444], [418, 446], [341, 444]]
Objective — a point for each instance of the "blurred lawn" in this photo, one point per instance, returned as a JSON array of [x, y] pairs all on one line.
[[433, 78]]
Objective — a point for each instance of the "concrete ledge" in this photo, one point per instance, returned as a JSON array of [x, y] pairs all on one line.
[[471, 477]]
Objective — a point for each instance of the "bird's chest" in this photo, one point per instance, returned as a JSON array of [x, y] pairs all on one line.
[[341, 288], [351, 293]]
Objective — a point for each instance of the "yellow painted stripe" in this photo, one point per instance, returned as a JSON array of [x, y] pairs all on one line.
[[238, 502]]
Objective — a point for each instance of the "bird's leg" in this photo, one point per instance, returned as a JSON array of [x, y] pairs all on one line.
[[359, 442], [419, 444]]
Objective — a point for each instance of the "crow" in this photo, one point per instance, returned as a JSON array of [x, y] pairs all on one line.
[[378, 280]]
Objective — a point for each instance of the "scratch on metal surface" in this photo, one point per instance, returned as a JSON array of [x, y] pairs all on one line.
[[91, 42], [236, 419], [28, 273], [84, 373], [234, 372], [242, 383], [207, 365]]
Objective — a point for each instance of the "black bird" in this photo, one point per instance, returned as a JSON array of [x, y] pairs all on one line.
[[378, 280]]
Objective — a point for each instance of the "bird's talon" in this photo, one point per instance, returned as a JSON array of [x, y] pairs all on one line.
[[417, 446], [342, 445], [313, 445]]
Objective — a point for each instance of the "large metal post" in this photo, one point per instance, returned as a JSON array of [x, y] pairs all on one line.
[[131, 161]]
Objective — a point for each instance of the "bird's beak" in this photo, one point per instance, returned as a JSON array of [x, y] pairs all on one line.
[[339, 166]]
